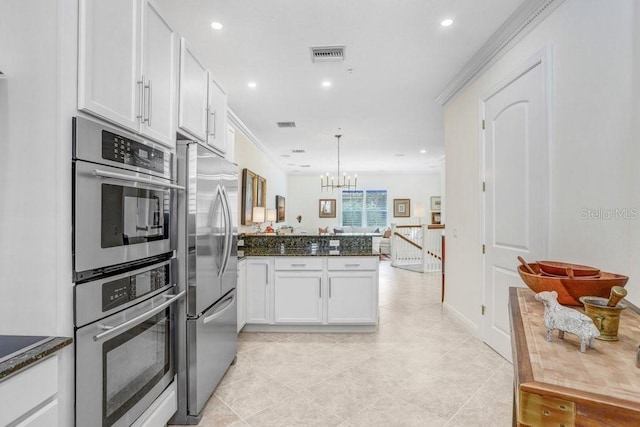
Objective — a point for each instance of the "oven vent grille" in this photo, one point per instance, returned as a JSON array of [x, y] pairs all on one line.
[[286, 124], [327, 54], [298, 151]]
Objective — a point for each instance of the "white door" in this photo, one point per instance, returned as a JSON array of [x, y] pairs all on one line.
[[515, 198]]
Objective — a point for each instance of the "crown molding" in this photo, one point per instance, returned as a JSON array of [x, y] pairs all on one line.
[[519, 24], [242, 127]]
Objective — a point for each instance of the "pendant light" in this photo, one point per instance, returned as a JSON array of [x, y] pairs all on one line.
[[339, 183]]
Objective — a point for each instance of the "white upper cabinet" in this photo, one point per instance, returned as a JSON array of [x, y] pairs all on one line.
[[203, 102], [159, 77], [194, 98], [217, 110], [127, 66]]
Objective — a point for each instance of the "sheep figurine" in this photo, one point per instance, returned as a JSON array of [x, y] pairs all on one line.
[[566, 320]]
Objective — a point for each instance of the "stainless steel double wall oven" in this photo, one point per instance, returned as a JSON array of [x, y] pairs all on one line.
[[124, 215]]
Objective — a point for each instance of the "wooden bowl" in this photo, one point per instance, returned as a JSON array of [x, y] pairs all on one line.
[[560, 268], [570, 290]]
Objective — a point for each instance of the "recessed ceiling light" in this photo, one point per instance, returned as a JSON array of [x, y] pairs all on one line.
[[326, 83], [446, 22], [216, 26], [252, 85], [423, 151]]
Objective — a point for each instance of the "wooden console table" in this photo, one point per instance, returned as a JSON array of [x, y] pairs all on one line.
[[556, 385]]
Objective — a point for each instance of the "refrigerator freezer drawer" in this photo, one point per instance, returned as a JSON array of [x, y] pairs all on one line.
[[212, 345]]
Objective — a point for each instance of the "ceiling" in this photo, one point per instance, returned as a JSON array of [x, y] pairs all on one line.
[[398, 58]]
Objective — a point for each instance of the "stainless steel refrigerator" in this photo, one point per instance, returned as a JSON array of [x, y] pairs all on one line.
[[207, 270]]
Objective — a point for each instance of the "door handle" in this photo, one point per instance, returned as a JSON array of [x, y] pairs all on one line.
[[220, 311], [141, 94], [112, 330], [123, 177], [147, 87]]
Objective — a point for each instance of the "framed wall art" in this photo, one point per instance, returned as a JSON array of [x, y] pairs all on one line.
[[435, 203], [261, 192], [327, 208], [401, 208], [435, 218], [280, 208], [249, 187]]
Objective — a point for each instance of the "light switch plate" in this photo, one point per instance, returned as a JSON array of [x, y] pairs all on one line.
[[334, 242]]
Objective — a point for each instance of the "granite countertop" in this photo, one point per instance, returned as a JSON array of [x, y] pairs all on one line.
[[32, 355], [306, 252]]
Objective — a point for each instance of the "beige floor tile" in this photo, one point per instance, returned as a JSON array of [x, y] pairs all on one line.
[[420, 368], [384, 410], [299, 410], [253, 394]]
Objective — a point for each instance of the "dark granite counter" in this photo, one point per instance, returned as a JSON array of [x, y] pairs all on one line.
[[307, 245], [23, 359]]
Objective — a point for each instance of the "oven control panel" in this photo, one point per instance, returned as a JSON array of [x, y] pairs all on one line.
[[123, 150], [126, 289]]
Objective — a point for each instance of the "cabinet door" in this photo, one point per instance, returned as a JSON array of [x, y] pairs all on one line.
[[159, 76], [217, 116], [298, 298], [46, 416], [241, 293], [192, 118], [353, 297], [258, 292], [108, 60]]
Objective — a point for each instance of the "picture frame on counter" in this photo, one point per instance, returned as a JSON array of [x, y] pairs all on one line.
[[327, 208], [401, 208], [280, 208]]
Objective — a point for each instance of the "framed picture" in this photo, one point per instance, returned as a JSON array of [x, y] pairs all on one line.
[[401, 208], [279, 208], [249, 187], [435, 218], [435, 203], [327, 208], [261, 192]]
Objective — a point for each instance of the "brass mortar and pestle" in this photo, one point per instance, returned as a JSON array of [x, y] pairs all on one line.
[[606, 313]]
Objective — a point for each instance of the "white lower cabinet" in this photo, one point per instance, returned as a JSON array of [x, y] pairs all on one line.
[[353, 297], [258, 302], [241, 293], [29, 398], [298, 297], [309, 291]]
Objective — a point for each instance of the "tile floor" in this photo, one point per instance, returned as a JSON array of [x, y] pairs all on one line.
[[419, 369]]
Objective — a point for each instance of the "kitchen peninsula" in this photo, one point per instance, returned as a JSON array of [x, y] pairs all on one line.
[[309, 283]]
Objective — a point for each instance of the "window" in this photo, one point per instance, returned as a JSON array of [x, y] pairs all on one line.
[[364, 208]]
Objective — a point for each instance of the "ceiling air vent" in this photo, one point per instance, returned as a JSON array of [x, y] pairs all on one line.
[[286, 124], [298, 151], [327, 54]]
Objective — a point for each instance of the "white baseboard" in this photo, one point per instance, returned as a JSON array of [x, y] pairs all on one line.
[[462, 320]]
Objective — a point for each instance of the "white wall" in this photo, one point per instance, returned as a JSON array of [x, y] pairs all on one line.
[[593, 154], [304, 195], [247, 155]]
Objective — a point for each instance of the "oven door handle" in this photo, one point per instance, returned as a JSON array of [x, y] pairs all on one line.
[[123, 177], [111, 330]]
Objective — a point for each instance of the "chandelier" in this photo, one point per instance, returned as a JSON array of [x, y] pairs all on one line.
[[343, 182]]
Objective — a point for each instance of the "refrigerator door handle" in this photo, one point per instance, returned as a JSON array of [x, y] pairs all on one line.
[[220, 311], [228, 232], [214, 225]]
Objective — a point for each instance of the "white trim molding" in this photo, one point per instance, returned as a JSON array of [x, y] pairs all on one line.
[[518, 25], [239, 125]]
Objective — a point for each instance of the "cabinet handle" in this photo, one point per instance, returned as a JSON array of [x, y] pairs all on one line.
[[298, 265], [352, 265], [141, 93], [148, 88], [266, 276], [320, 289], [215, 128], [329, 287], [206, 131]]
